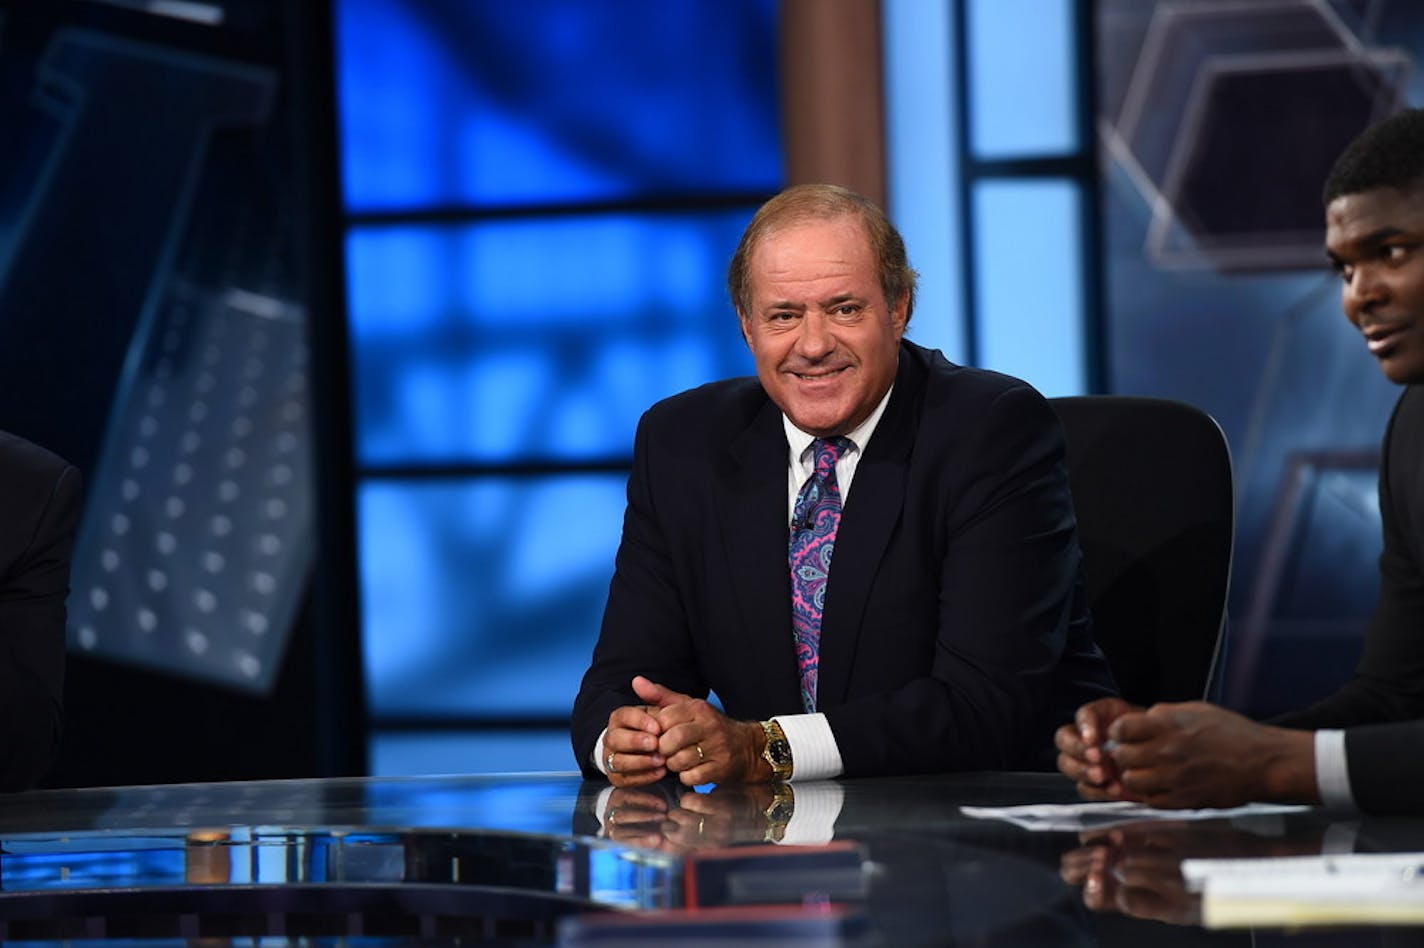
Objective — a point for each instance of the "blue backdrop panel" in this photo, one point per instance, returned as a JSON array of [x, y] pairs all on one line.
[[483, 597], [548, 101], [537, 338]]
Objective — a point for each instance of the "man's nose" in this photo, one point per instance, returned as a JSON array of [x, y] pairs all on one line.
[[1364, 289], [815, 339]]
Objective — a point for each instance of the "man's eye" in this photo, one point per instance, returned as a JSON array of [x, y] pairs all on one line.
[[1395, 252]]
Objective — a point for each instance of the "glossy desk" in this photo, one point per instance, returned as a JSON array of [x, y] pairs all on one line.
[[549, 859]]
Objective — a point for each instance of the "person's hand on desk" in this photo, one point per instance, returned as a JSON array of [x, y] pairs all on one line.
[[630, 746], [1183, 755], [1199, 755], [701, 744], [1082, 751]]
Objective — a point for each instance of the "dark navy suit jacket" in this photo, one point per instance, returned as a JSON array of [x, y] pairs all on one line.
[[1382, 706], [955, 633], [39, 510]]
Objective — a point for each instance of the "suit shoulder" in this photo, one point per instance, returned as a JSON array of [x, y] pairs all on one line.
[[1407, 418], [729, 403], [40, 495], [952, 387], [26, 464]]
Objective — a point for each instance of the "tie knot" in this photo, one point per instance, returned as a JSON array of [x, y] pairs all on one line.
[[828, 451]]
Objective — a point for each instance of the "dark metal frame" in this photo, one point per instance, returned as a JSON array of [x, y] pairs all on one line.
[[1080, 166]]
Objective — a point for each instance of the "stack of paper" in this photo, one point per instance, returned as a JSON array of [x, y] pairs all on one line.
[[1071, 817], [1364, 889]]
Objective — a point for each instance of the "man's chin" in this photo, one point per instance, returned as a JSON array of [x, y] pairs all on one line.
[[820, 424], [1403, 371]]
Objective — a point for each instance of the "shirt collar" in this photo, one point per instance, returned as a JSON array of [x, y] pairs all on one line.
[[859, 436]]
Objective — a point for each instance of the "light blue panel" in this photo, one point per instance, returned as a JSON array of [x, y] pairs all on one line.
[[1028, 282], [540, 101], [922, 165], [1022, 73], [402, 753], [543, 338], [484, 597]]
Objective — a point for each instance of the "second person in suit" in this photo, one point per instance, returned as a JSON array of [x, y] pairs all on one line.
[[1360, 746]]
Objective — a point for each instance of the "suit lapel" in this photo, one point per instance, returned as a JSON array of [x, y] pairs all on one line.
[[870, 518], [751, 495]]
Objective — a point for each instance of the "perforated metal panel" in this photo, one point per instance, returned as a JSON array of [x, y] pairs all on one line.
[[198, 537]]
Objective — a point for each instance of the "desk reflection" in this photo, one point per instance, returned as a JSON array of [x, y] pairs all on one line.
[[692, 822], [1136, 870], [465, 855]]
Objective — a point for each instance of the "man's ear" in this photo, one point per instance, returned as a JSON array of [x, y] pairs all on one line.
[[900, 314], [746, 328]]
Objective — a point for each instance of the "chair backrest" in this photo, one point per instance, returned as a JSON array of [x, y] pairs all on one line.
[[1151, 482]]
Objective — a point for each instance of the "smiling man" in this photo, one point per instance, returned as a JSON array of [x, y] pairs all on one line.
[[1366, 752], [949, 629]]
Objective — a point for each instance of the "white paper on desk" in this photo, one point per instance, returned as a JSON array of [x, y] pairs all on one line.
[[1063, 817], [1357, 888]]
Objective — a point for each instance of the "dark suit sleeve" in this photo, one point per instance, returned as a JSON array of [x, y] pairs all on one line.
[[1388, 684], [1011, 652], [644, 624], [40, 519], [1386, 766]]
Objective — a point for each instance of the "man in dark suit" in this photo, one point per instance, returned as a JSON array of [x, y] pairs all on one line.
[[951, 626], [39, 510], [1366, 751]]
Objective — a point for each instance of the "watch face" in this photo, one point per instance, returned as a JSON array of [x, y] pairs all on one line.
[[780, 752]]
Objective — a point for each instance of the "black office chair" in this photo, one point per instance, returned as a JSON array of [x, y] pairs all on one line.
[[1151, 483]]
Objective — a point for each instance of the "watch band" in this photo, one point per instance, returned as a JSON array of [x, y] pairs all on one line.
[[777, 751]]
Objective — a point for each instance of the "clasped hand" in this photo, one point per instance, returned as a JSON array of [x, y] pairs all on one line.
[[1184, 755], [675, 733]]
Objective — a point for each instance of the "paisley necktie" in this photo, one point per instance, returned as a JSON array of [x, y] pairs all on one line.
[[813, 538]]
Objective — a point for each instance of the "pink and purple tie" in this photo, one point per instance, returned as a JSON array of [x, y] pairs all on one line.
[[814, 520]]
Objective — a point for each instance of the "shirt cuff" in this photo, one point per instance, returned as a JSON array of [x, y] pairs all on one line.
[[814, 754], [813, 819], [1332, 773], [598, 753]]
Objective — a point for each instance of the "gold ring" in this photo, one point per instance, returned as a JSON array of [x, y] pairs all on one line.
[[700, 756], [608, 761], [701, 820]]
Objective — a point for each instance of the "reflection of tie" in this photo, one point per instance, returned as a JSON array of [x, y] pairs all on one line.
[[813, 538]]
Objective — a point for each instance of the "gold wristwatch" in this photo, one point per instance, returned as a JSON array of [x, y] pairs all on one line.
[[777, 751]]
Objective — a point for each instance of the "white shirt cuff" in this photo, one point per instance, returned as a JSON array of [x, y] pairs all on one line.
[[814, 754], [598, 754], [813, 820], [1332, 773]]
